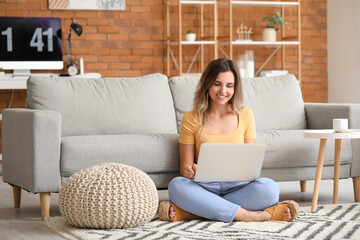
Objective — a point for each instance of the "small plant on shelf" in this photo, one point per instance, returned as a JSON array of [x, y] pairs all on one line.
[[274, 20], [190, 36]]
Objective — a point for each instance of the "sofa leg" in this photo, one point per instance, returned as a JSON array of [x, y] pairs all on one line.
[[17, 196], [356, 183], [45, 205], [303, 186]]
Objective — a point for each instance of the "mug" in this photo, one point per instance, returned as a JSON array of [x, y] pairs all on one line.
[[340, 124]]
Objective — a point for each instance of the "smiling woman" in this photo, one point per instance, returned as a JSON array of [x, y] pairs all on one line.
[[218, 116]]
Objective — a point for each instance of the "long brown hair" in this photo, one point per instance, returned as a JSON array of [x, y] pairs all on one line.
[[202, 98]]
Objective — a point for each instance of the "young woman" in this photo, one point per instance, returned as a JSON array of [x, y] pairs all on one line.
[[219, 117]]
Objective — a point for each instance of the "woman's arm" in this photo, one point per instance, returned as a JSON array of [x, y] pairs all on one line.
[[187, 166]]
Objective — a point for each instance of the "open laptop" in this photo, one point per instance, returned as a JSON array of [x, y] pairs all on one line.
[[229, 162]]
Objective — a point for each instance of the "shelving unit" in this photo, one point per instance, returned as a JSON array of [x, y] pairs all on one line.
[[177, 40], [277, 44], [218, 41]]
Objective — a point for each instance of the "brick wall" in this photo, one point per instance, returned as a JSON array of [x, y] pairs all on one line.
[[131, 42]]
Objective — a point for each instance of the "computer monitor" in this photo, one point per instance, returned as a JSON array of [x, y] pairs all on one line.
[[30, 43]]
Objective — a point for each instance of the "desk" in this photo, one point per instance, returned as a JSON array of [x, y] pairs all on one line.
[[323, 135], [8, 82]]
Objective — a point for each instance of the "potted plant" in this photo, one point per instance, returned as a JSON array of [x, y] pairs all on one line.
[[269, 32], [190, 36], [2, 73]]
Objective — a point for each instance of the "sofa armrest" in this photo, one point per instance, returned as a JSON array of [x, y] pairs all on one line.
[[31, 149], [320, 115]]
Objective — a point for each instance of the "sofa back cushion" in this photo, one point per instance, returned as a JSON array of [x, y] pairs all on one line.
[[275, 101], [182, 89], [106, 105]]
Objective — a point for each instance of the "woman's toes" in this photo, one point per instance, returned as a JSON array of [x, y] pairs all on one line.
[[171, 212], [287, 213]]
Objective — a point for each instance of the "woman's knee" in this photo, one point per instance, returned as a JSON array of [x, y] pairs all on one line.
[[178, 188], [177, 184], [270, 188]]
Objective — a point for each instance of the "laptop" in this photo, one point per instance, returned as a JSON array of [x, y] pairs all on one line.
[[229, 162]]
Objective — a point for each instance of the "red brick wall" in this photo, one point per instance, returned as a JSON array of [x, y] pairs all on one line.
[[131, 42]]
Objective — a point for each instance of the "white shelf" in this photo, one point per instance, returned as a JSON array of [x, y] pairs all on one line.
[[197, 2], [264, 3], [266, 43], [189, 2], [197, 42], [193, 43]]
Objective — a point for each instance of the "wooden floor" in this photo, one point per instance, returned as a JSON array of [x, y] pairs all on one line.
[[25, 223]]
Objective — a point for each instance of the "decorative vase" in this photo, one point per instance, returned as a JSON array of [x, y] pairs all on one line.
[[190, 37], [269, 35]]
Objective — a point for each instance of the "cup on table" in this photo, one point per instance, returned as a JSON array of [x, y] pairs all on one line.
[[340, 125]]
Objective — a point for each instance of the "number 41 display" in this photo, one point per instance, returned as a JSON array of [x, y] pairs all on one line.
[[36, 39]]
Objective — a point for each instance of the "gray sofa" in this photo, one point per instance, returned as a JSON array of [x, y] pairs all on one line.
[[73, 123]]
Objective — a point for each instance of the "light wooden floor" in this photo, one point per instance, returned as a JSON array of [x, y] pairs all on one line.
[[25, 223]]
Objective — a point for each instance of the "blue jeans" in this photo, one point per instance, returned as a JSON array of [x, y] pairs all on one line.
[[221, 200]]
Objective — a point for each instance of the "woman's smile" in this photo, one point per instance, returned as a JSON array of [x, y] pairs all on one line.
[[221, 96]]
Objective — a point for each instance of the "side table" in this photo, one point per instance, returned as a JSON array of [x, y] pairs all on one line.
[[324, 135]]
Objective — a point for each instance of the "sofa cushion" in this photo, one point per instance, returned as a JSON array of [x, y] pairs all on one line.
[[290, 149], [151, 153], [182, 89], [106, 105], [275, 101]]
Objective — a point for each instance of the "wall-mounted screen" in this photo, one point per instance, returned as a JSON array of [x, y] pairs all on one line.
[[30, 43]]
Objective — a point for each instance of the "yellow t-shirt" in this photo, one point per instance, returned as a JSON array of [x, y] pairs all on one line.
[[190, 126]]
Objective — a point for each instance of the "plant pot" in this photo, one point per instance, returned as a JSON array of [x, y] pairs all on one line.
[[269, 35], [190, 37]]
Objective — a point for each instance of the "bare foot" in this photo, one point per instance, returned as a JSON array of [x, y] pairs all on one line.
[[257, 216], [188, 216], [171, 212], [287, 214]]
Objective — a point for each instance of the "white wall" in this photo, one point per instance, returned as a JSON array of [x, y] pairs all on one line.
[[343, 25]]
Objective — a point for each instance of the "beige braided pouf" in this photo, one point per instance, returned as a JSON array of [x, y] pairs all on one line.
[[108, 195]]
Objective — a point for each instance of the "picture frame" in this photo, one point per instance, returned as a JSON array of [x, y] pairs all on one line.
[[86, 4]]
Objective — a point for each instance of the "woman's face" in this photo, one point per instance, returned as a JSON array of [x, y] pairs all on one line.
[[223, 88]]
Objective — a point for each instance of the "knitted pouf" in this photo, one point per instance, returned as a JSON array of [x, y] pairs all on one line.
[[107, 196]]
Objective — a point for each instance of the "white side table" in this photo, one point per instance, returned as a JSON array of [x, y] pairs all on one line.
[[324, 135]]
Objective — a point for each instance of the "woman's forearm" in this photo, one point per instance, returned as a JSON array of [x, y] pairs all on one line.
[[187, 153]]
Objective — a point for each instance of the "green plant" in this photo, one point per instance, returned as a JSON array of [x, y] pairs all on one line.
[[277, 19], [1, 69], [189, 32]]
